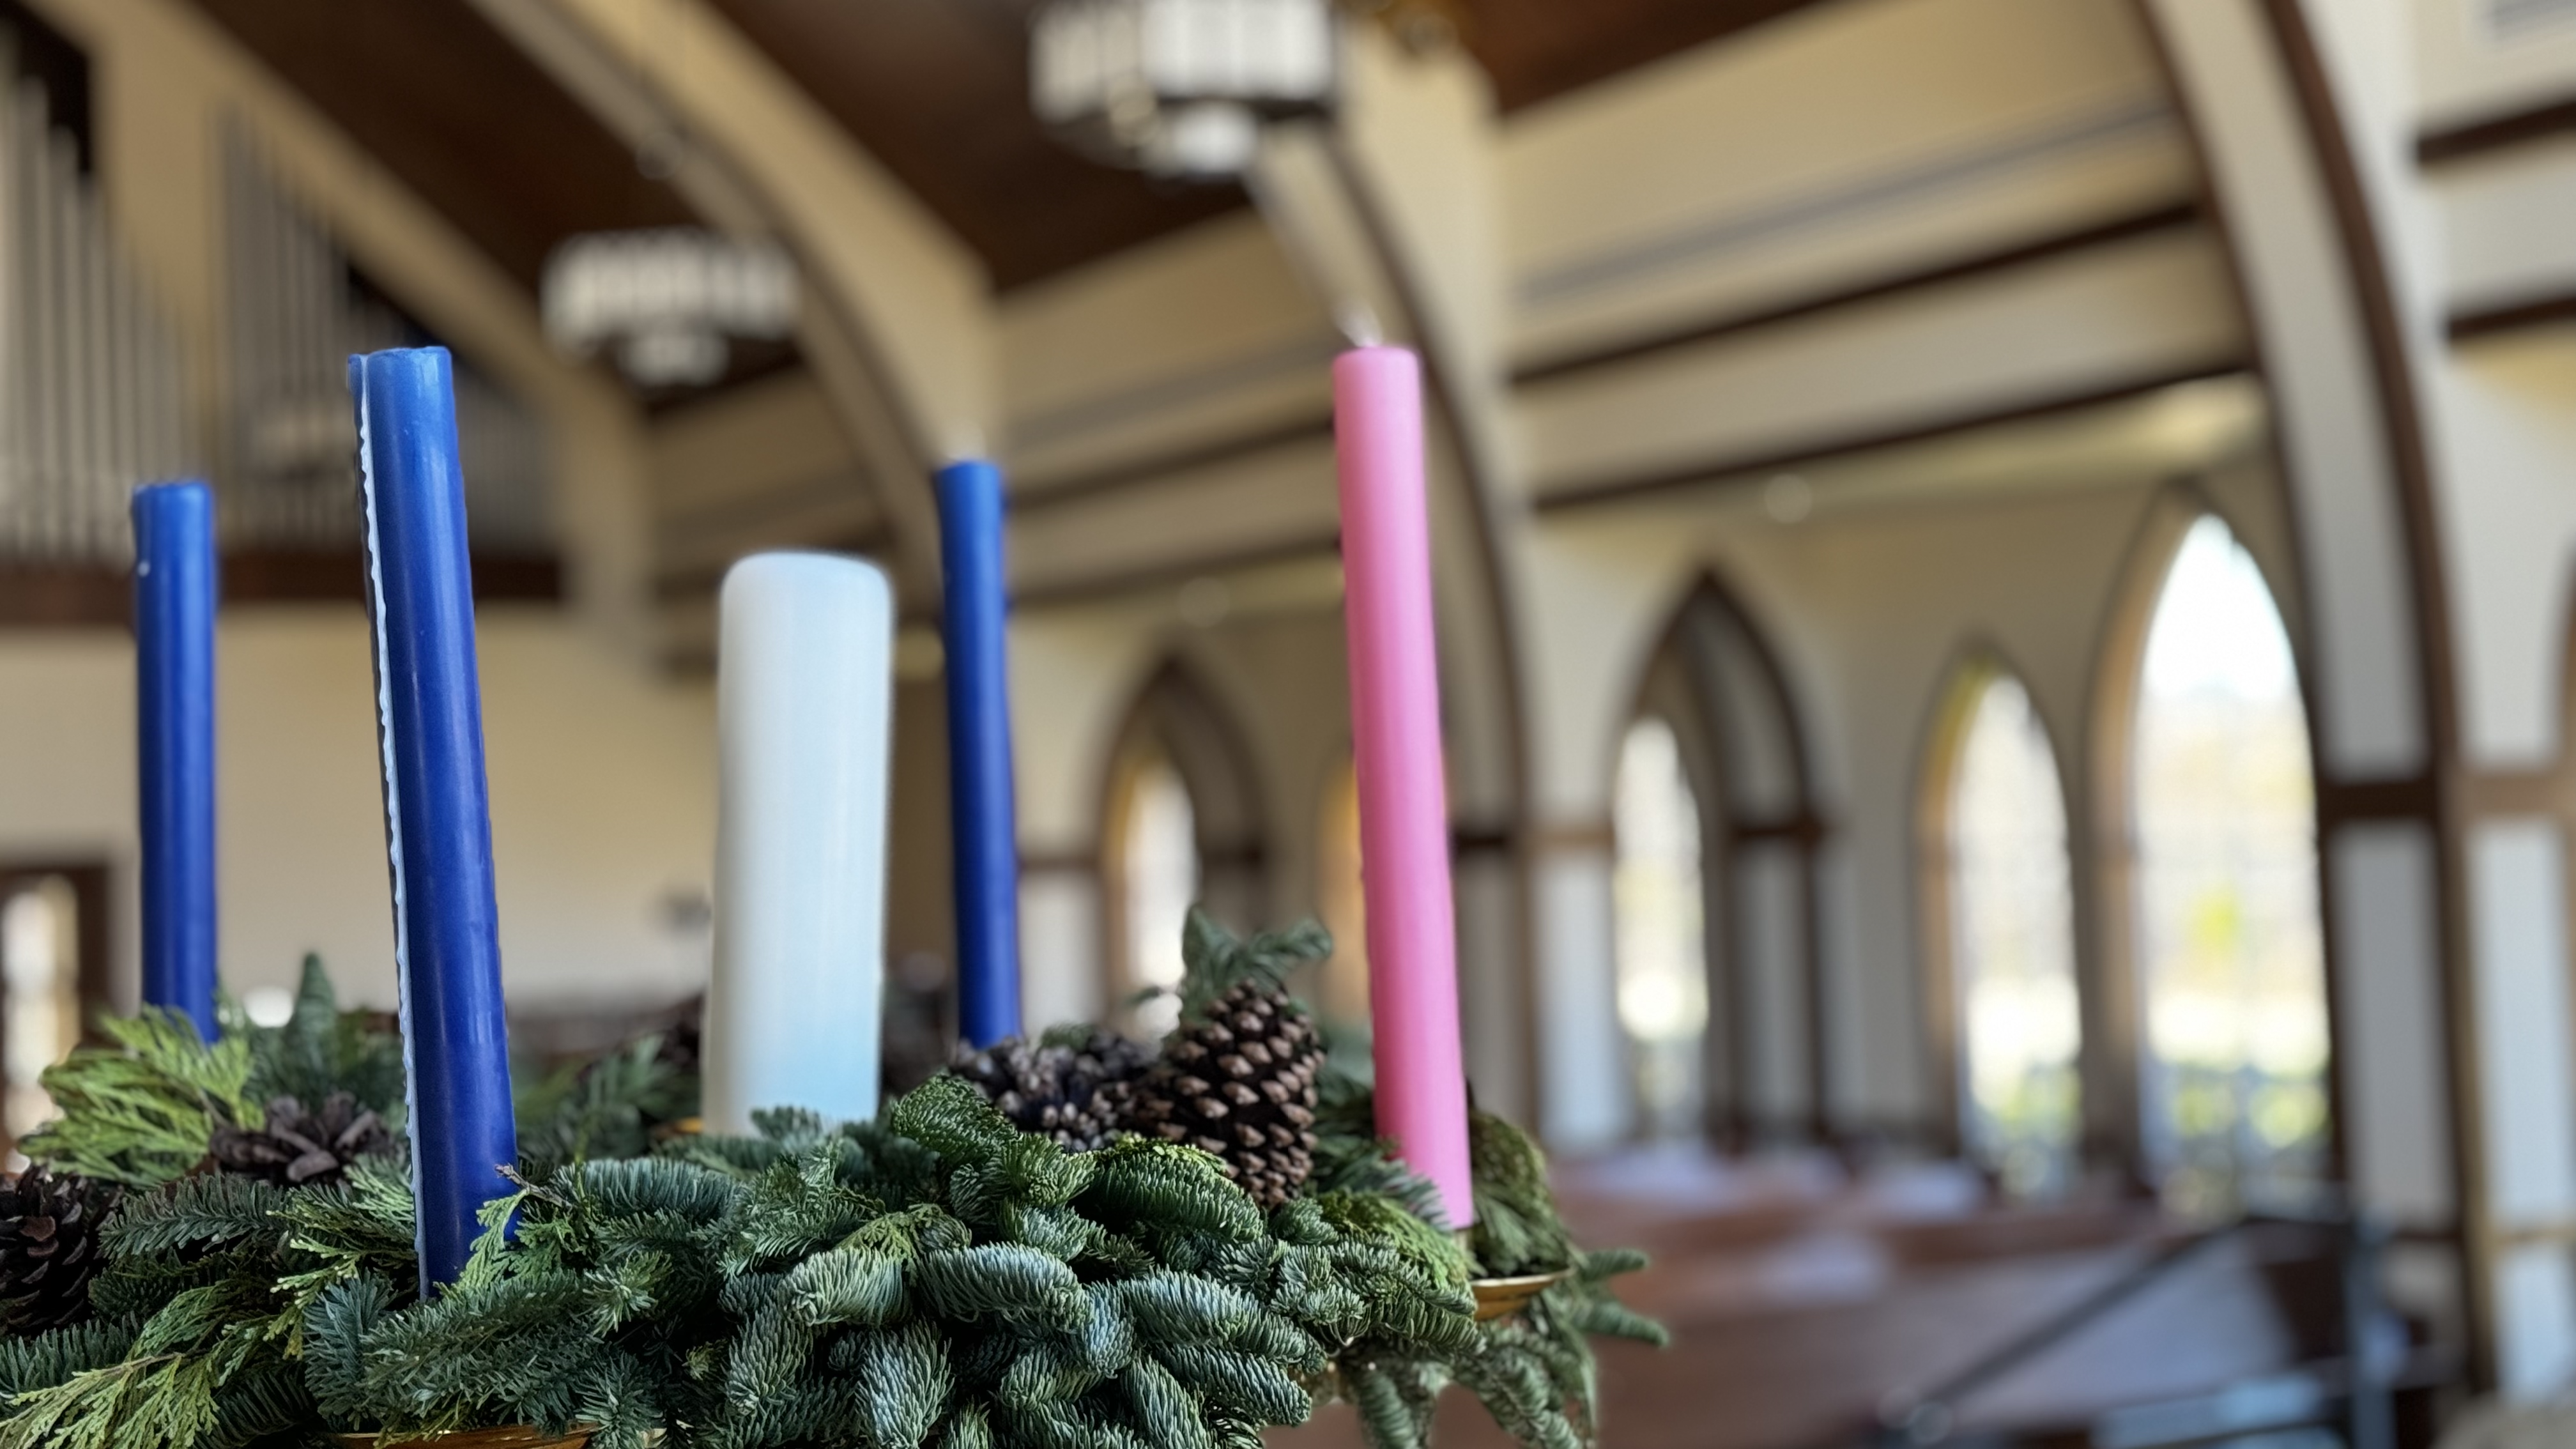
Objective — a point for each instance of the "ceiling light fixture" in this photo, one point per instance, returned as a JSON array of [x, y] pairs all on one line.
[[666, 299], [1179, 88]]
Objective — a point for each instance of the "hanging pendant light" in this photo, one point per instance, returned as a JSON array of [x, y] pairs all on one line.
[[665, 300], [1179, 88]]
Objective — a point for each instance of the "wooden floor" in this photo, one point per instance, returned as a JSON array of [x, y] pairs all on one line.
[[1803, 1301]]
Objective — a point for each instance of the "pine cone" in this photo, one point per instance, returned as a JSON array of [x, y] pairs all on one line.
[[1240, 1081], [680, 1044], [49, 1248], [297, 1147], [1075, 1092]]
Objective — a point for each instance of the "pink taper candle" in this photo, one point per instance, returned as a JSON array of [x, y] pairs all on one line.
[[1404, 804]]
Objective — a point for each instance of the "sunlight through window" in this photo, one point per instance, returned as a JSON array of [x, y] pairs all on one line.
[[1160, 868], [1342, 902], [2230, 951], [38, 962], [1662, 952], [2013, 948]]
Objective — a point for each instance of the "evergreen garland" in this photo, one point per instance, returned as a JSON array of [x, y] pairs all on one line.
[[936, 1279]]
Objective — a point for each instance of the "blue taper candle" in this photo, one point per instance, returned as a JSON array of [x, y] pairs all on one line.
[[174, 701], [981, 820], [429, 714]]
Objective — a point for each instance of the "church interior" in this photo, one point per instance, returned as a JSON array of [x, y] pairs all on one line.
[[2000, 569]]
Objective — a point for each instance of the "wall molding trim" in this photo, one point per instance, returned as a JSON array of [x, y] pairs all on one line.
[[1132, 581], [1720, 468], [2474, 323], [2440, 146], [1153, 468], [2148, 221], [1552, 283]]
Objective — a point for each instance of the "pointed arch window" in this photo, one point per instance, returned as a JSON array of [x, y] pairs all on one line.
[[1343, 991], [1181, 825], [1158, 879], [2229, 947], [2010, 914], [1661, 935]]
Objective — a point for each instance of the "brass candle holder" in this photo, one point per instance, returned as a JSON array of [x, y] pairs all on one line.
[[1503, 1297], [508, 1436]]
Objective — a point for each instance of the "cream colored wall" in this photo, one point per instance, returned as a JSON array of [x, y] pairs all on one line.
[[1199, 337], [2497, 224], [2154, 307], [1842, 142], [2462, 74], [2508, 409], [755, 467], [602, 789]]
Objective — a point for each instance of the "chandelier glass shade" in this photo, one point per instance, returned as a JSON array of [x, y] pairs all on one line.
[[665, 300], [1179, 88]]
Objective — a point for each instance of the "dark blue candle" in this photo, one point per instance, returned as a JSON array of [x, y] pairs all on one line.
[[174, 702], [429, 716], [979, 755]]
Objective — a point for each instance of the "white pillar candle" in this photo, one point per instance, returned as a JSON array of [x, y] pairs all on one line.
[[804, 693]]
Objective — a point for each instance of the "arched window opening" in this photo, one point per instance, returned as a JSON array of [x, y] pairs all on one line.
[[40, 1014], [2012, 948], [1158, 868], [1344, 990], [1661, 937], [2231, 960], [1180, 827]]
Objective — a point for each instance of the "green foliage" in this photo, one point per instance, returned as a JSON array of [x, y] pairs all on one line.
[[322, 1049], [1517, 1230], [936, 1279], [141, 1111], [1216, 962], [47, 1359], [1534, 1373], [208, 1364], [207, 1276], [608, 1107]]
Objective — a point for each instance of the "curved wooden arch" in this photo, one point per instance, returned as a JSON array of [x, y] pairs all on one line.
[[2287, 188]]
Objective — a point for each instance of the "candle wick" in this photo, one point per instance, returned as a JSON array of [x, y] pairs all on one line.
[[1358, 321]]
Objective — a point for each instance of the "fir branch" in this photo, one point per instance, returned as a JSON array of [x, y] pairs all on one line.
[[605, 1108], [901, 1383], [214, 1208], [1138, 1182], [1005, 1280], [337, 1326], [1517, 1230], [322, 1050], [48, 1359], [1215, 961]]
